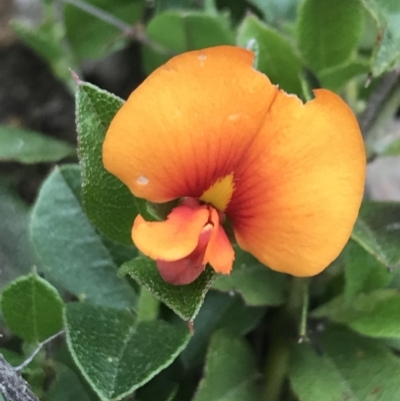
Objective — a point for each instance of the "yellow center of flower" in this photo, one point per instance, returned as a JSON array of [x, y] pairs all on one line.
[[220, 193]]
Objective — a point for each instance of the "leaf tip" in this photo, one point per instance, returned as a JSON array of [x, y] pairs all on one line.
[[75, 77]]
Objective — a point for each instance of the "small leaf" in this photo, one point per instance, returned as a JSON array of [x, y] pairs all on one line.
[[386, 54], [274, 51], [374, 314], [184, 300], [92, 37], [74, 253], [351, 368], [329, 31], [363, 272], [115, 355], [230, 371], [377, 231], [30, 147], [32, 308], [186, 31], [109, 204], [256, 283]]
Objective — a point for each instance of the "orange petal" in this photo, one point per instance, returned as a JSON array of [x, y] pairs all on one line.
[[188, 124], [220, 254], [186, 270], [172, 239], [301, 184]]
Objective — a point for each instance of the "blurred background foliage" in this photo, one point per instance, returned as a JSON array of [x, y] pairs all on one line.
[[349, 46]]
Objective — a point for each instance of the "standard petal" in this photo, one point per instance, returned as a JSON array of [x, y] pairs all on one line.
[[301, 185], [172, 239], [188, 124]]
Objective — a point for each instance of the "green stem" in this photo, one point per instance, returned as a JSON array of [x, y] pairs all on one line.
[[292, 316], [304, 312]]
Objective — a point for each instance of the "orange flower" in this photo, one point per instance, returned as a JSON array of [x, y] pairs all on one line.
[[210, 130]]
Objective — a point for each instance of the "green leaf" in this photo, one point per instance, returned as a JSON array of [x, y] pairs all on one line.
[[230, 371], [220, 310], [256, 283], [274, 51], [377, 231], [17, 256], [66, 386], [30, 147], [374, 314], [109, 204], [386, 54], [336, 77], [329, 31], [186, 31], [32, 308], [184, 300], [276, 11], [305, 366], [115, 355], [72, 250], [351, 368], [92, 37], [47, 40], [363, 272]]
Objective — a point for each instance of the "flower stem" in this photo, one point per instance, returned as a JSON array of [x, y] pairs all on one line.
[[289, 323]]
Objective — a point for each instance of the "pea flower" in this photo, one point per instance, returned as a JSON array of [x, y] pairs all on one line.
[[209, 130]]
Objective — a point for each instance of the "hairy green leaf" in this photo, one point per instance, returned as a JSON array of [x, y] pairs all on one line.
[[73, 252], [115, 354], [108, 202], [184, 300], [32, 308]]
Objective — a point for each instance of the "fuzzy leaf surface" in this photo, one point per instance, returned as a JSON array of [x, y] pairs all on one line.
[[114, 353]]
